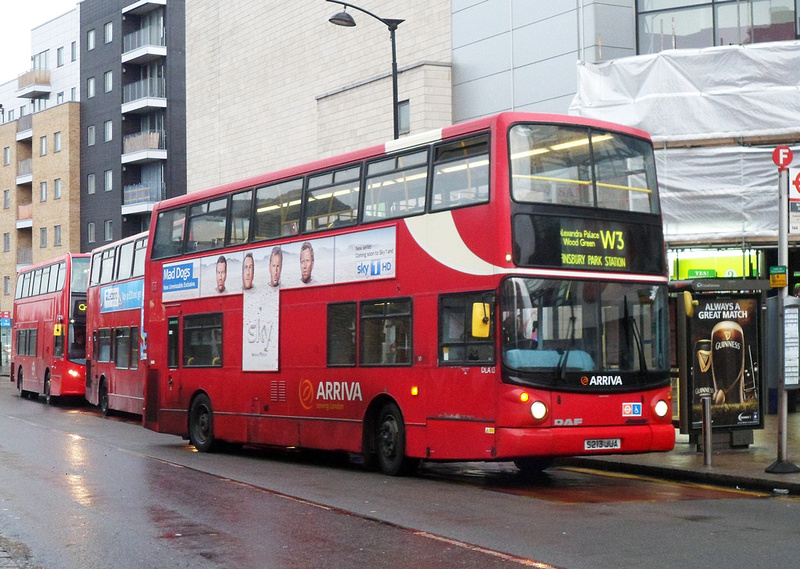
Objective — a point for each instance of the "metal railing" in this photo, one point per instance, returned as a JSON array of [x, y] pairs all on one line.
[[146, 140], [25, 167], [141, 193], [151, 35], [144, 88]]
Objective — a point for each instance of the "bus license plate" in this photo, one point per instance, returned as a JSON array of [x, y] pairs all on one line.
[[602, 444]]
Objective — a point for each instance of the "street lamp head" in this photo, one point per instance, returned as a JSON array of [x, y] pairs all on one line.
[[343, 19]]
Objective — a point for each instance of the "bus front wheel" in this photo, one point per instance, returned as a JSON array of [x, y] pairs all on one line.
[[201, 424], [22, 392], [390, 442], [48, 398]]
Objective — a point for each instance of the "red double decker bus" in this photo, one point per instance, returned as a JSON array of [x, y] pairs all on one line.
[[495, 290], [48, 339], [114, 377]]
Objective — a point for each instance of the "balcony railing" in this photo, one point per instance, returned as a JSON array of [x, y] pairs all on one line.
[[141, 193], [33, 77], [25, 167], [24, 123], [145, 88], [149, 36], [24, 255], [25, 211], [147, 140]]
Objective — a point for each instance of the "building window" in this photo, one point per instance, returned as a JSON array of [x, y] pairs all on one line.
[[6, 242], [57, 236], [108, 32], [108, 81], [404, 117], [42, 146], [43, 191], [6, 156], [74, 51], [42, 237], [705, 23], [108, 230], [90, 184], [73, 94], [60, 57], [6, 285], [6, 199], [107, 131], [57, 189], [90, 232], [90, 88], [59, 97], [108, 180], [90, 136], [57, 142], [90, 40]]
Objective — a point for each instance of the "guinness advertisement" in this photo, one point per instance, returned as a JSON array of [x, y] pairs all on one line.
[[724, 359]]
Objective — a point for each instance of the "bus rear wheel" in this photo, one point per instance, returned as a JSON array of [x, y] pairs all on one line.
[[390, 443], [22, 392], [201, 424]]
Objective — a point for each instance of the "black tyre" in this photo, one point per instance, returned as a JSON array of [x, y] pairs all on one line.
[[48, 398], [201, 424], [532, 467], [390, 443], [102, 397]]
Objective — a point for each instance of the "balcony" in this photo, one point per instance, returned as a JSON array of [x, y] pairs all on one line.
[[144, 96], [25, 128], [25, 172], [34, 84], [140, 198], [144, 45], [147, 146], [24, 257], [24, 216], [143, 6]]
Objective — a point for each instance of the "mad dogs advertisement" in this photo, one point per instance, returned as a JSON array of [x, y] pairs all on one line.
[[724, 360], [260, 274]]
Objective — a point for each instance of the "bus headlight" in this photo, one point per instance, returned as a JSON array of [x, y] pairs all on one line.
[[662, 408], [74, 373], [538, 410]]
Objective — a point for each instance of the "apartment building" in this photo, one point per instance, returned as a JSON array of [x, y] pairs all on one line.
[[132, 114], [39, 167]]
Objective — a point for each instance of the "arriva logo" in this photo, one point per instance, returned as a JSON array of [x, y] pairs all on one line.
[[601, 380]]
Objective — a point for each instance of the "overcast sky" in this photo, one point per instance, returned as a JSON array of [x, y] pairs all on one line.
[[17, 19]]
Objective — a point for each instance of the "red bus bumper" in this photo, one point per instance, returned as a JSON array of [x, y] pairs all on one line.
[[572, 441]]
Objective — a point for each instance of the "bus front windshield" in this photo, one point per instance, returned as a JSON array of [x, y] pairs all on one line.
[[554, 327], [582, 166]]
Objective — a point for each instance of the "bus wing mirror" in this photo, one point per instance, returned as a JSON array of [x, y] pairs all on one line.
[[689, 303], [481, 321]]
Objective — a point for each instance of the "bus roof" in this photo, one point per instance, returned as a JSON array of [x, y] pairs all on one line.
[[498, 121]]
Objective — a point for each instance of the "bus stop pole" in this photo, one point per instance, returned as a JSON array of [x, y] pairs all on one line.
[[782, 465]]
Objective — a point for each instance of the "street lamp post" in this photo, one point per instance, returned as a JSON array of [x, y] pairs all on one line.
[[345, 19]]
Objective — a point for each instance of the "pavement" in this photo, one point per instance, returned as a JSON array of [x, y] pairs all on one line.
[[743, 467]]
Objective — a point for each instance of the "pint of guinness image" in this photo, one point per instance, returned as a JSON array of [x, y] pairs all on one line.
[[727, 362], [702, 377]]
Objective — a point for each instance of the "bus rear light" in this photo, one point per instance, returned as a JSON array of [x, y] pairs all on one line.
[[538, 410], [662, 408]]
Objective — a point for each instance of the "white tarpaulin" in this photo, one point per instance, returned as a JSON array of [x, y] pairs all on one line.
[[709, 193], [726, 193], [696, 94]]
